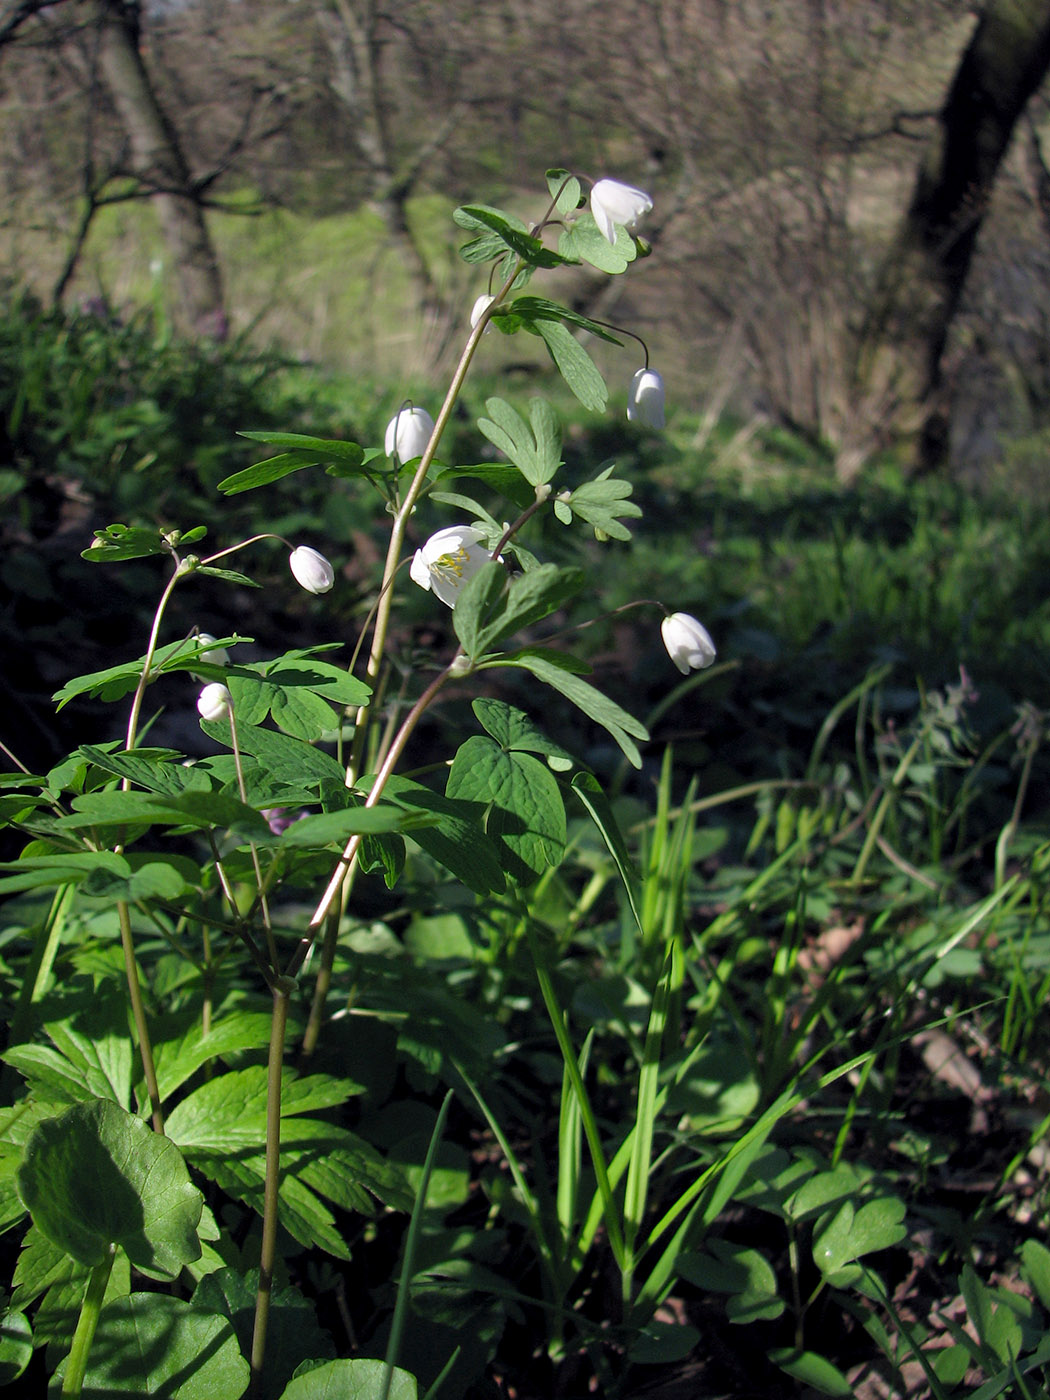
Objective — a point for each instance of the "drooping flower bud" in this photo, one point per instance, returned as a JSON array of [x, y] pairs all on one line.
[[312, 570], [447, 560], [616, 205], [645, 399], [213, 702], [688, 642], [408, 433]]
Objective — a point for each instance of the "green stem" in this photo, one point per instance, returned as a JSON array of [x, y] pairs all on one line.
[[35, 978], [76, 1365], [348, 859], [322, 985], [268, 1252], [397, 532], [138, 1012], [881, 812], [151, 647]]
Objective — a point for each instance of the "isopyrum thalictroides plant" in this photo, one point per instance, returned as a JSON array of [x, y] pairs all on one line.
[[211, 878]]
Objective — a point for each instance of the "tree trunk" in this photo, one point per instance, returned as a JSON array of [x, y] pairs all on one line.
[[160, 165], [899, 362]]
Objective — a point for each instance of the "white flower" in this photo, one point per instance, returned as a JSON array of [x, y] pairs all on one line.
[[312, 570], [645, 399], [448, 559], [408, 433], [213, 702], [613, 204], [688, 642], [480, 307]]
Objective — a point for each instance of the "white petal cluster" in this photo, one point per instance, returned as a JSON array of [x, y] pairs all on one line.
[[213, 702], [688, 642], [408, 433], [645, 399], [615, 205], [447, 560], [312, 570]]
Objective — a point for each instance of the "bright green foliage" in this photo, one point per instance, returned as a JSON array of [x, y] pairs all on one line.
[[97, 1176], [518, 800], [489, 610], [534, 446], [293, 1337], [300, 451], [220, 1126], [153, 1344], [352, 1380], [16, 1345]]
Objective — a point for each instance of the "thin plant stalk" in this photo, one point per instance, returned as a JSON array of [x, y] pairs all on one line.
[[87, 1322], [415, 1225], [268, 1251]]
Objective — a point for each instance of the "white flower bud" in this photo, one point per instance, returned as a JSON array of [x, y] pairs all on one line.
[[213, 702], [408, 433], [645, 399], [312, 570], [688, 642], [614, 205]]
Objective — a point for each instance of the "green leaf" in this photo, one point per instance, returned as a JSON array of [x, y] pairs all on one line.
[[513, 729], [16, 1345], [526, 311], [230, 575], [151, 1344], [230, 1111], [356, 1379], [456, 842], [47, 872], [117, 681], [300, 451], [565, 190], [98, 1176], [199, 810], [1035, 1264], [811, 1369], [851, 1234], [499, 232], [602, 503], [524, 812], [286, 758], [659, 1343], [535, 446], [588, 789], [16, 1126], [221, 1126], [329, 827], [489, 608], [117, 542], [583, 241], [157, 770], [745, 1274], [574, 364], [44, 1268], [551, 668], [293, 1334], [91, 1056], [181, 1047]]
